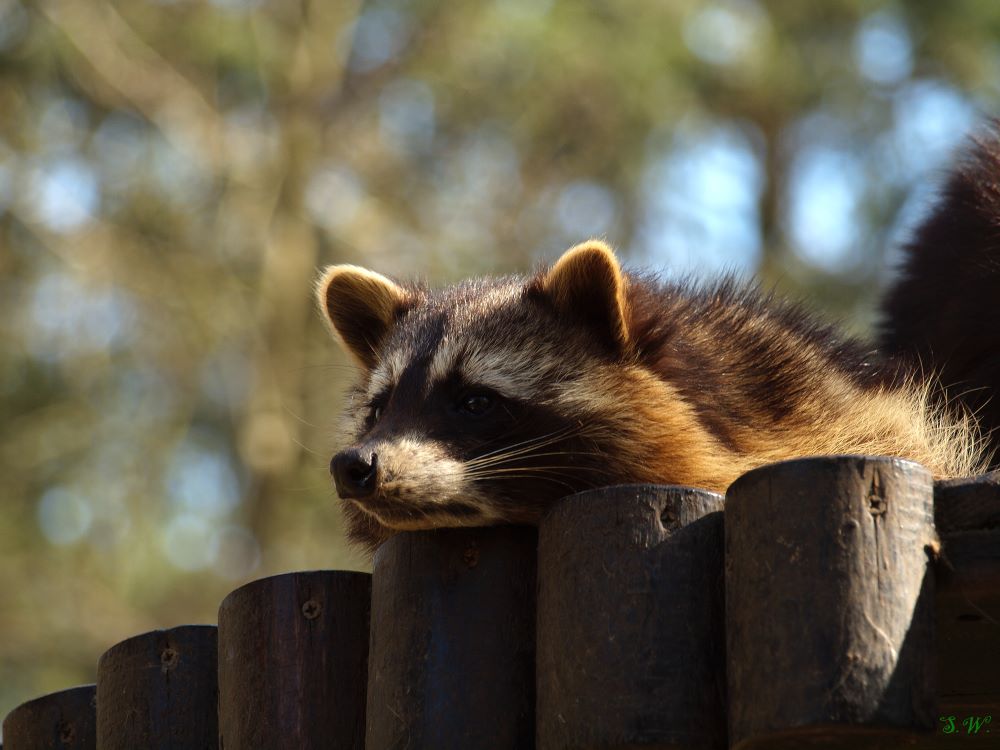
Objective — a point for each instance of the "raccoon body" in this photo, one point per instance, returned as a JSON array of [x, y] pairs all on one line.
[[484, 402]]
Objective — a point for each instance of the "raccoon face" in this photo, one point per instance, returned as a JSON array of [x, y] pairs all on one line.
[[483, 402]]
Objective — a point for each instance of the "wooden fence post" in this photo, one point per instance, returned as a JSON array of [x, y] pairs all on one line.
[[65, 720], [453, 640], [158, 690], [829, 601], [967, 513], [293, 662], [630, 623]]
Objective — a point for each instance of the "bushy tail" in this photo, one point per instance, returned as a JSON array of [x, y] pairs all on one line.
[[945, 308]]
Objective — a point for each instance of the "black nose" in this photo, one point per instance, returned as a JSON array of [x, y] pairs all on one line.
[[355, 475]]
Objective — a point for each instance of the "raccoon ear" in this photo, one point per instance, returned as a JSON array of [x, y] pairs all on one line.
[[361, 306], [587, 282]]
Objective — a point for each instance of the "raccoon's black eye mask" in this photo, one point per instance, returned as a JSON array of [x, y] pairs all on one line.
[[470, 403]]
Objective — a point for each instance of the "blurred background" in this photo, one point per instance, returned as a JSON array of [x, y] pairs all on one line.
[[172, 174]]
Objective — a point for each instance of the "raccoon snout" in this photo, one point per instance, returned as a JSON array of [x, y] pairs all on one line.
[[355, 475]]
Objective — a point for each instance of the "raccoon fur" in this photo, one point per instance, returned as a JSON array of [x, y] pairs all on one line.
[[943, 315], [484, 402]]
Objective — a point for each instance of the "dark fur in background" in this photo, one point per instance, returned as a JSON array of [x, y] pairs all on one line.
[[945, 309]]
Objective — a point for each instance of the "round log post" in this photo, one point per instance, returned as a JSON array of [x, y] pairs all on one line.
[[453, 640], [630, 622], [830, 603], [967, 512], [967, 504], [158, 690], [293, 662], [65, 720]]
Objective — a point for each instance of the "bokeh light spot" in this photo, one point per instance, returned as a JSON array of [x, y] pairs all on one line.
[[65, 193], [378, 36], [201, 480], [64, 515], [726, 32], [825, 191], [882, 49]]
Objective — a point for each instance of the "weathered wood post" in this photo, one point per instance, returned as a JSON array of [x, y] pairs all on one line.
[[158, 690], [65, 720], [829, 602], [967, 513], [630, 622], [293, 662], [453, 640]]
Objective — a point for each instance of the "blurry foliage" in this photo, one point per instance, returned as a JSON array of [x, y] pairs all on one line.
[[173, 173]]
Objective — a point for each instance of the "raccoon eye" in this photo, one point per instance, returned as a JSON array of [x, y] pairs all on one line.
[[374, 406], [476, 404]]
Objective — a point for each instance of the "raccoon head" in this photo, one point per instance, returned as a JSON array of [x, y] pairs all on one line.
[[484, 402]]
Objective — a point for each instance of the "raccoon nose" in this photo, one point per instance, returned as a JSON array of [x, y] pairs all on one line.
[[354, 475]]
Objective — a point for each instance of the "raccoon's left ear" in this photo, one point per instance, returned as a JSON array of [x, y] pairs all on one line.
[[587, 284], [361, 307]]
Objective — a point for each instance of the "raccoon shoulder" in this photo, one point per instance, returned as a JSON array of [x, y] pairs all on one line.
[[730, 338], [769, 380]]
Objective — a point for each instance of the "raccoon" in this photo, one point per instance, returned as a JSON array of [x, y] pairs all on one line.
[[484, 402]]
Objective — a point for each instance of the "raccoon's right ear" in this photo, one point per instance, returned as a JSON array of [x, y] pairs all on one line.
[[587, 284], [361, 307]]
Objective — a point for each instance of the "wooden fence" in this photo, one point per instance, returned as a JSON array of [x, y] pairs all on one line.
[[838, 601]]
